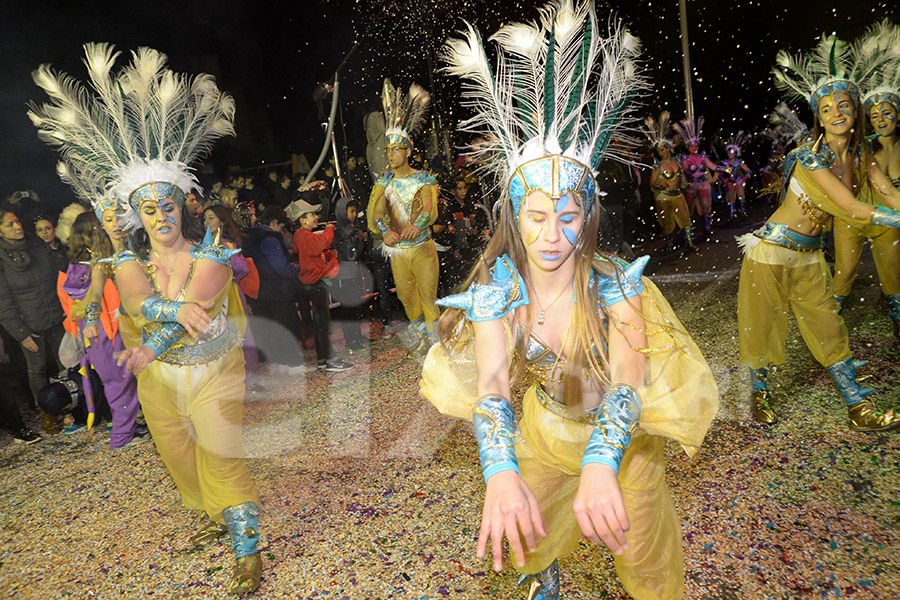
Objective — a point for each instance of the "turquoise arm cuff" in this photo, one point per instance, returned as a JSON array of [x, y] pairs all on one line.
[[164, 338], [160, 310], [886, 217], [381, 226], [92, 313], [495, 429], [614, 421], [422, 221]]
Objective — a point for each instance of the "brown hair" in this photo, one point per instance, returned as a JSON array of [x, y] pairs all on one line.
[[230, 230], [88, 239], [586, 339]]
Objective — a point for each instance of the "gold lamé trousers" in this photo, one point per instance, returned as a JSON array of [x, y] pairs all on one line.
[[416, 277], [196, 416], [549, 456], [671, 212]]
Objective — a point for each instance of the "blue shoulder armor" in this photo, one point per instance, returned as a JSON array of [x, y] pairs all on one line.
[[124, 256], [209, 248], [489, 301], [384, 179], [612, 289]]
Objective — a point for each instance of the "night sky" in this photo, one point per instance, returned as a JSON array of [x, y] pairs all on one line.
[[271, 55]]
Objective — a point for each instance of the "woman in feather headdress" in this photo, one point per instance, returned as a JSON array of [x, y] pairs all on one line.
[[881, 100], [700, 171], [667, 181], [138, 133], [783, 262], [735, 172], [608, 363]]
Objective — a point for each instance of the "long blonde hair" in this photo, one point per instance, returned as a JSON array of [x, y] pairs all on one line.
[[586, 340]]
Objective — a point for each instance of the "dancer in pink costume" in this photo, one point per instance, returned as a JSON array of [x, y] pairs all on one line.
[[699, 170], [735, 172]]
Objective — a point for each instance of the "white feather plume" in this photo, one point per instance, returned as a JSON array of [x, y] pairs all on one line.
[[525, 108], [109, 133]]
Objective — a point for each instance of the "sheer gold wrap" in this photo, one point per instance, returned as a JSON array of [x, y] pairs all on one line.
[[680, 399]]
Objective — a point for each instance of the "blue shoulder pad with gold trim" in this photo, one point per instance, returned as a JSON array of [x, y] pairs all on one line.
[[384, 179], [813, 158], [612, 289], [208, 248], [124, 256], [489, 301], [427, 178]]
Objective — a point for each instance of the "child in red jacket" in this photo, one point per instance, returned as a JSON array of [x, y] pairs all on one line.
[[318, 264]]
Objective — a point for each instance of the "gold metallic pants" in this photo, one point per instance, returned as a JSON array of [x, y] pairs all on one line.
[[550, 456], [774, 279], [672, 212], [848, 245], [196, 415], [416, 277]]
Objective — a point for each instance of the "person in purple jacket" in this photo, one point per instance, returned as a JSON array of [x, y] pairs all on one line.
[[96, 311]]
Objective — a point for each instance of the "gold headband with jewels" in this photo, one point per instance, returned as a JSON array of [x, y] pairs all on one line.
[[877, 98], [831, 88], [395, 139], [156, 191], [104, 204], [554, 175]]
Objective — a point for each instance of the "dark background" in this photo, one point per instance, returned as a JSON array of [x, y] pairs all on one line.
[[271, 55]]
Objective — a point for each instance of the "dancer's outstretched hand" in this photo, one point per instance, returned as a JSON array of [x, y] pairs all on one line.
[[135, 358], [599, 508], [193, 317], [509, 509]]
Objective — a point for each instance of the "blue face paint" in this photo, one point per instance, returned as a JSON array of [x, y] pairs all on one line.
[[562, 203], [550, 257], [570, 235]]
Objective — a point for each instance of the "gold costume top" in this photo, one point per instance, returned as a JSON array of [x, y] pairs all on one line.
[[226, 328], [679, 395]]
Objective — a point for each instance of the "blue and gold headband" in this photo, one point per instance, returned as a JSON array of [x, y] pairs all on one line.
[[104, 204], [831, 88], [554, 175], [879, 97]]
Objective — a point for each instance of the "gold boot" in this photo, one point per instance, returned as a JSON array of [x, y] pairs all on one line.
[[761, 409], [209, 532], [864, 416], [247, 575]]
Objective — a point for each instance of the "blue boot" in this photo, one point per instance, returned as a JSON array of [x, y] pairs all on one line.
[[894, 303], [864, 415], [243, 524], [760, 397], [841, 301], [543, 585]]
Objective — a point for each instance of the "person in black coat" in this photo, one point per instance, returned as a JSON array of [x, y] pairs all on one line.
[[29, 306]]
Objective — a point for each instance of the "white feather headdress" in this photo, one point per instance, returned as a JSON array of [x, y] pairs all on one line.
[[736, 143], [690, 130], [787, 126], [833, 66], [658, 130], [884, 83], [557, 88], [144, 122], [404, 114]]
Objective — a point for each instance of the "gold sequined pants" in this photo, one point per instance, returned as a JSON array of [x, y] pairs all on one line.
[[671, 212], [549, 456], [416, 277]]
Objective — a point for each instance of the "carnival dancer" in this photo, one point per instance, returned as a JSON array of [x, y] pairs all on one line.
[[700, 171], [610, 366], [881, 100], [735, 172], [402, 207], [783, 263], [667, 181], [92, 303], [141, 130]]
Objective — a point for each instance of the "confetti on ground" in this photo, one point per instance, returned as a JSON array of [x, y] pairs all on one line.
[[368, 493]]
